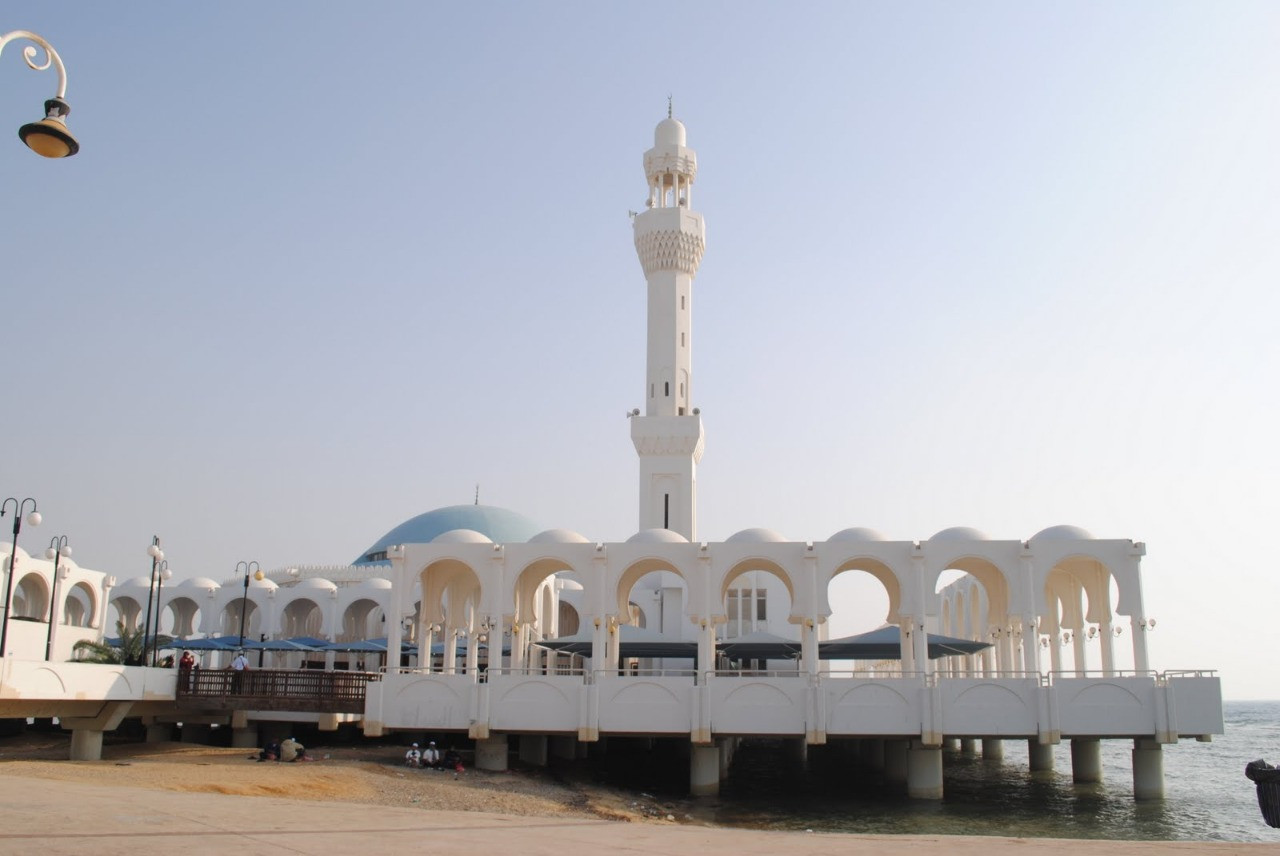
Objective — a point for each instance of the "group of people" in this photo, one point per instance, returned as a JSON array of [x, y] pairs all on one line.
[[286, 750], [431, 759]]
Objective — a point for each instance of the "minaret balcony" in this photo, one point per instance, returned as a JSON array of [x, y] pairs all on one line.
[[670, 239]]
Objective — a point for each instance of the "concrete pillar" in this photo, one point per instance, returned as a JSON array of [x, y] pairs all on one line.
[[533, 749], [86, 744], [581, 750], [951, 744], [1086, 759], [1148, 770], [563, 748], [159, 732], [193, 732], [1040, 755], [875, 754], [704, 771], [924, 772], [491, 753], [992, 748], [968, 746], [800, 752], [895, 762], [244, 738], [725, 745]]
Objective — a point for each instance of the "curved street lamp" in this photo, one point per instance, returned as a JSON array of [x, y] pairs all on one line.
[[251, 569], [48, 137], [162, 574], [58, 548], [157, 556], [33, 518]]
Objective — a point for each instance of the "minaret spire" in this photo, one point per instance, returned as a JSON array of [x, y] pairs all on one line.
[[670, 238]]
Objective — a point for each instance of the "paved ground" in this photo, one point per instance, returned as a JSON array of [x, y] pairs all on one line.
[[54, 818]]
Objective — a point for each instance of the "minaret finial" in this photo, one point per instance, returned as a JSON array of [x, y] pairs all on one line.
[[668, 106]]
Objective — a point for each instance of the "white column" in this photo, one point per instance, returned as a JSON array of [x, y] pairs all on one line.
[[1148, 770], [1106, 638], [1140, 661], [704, 771], [1086, 759], [924, 772]]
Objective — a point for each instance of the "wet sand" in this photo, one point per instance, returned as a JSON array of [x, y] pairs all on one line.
[[195, 800]]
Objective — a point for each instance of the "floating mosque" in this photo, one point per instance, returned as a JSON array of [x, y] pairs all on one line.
[[478, 621]]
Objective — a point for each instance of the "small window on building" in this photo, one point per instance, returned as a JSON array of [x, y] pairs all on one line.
[[761, 614], [666, 389], [682, 340], [682, 301]]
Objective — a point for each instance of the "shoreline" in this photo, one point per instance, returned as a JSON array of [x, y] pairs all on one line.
[[361, 790]]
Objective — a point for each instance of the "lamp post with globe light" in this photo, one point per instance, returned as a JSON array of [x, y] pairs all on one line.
[[157, 556], [58, 548], [251, 569], [48, 137], [162, 574], [33, 518]]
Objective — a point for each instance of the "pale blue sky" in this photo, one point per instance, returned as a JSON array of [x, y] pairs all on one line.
[[321, 267]]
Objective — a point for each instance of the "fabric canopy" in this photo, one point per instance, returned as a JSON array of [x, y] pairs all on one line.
[[278, 645], [633, 642], [759, 645], [885, 643], [203, 645]]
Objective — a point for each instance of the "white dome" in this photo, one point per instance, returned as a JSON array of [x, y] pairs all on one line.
[[959, 533], [461, 536], [657, 536], [1062, 533], [756, 536], [670, 132], [568, 585], [376, 583], [136, 582], [856, 535], [263, 583], [558, 536], [196, 583], [314, 584]]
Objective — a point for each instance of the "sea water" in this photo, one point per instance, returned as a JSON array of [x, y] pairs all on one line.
[[1207, 797]]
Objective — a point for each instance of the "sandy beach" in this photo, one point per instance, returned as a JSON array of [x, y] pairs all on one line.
[[178, 797]]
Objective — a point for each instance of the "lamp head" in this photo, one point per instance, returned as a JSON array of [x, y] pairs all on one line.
[[34, 518], [155, 552], [49, 137], [259, 576], [166, 575]]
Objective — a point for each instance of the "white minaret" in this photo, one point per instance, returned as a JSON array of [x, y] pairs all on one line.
[[670, 239]]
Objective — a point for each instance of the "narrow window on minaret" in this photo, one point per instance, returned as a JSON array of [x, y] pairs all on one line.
[[682, 340], [682, 301], [666, 389], [666, 511]]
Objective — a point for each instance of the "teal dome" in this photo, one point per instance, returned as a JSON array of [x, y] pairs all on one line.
[[497, 524]]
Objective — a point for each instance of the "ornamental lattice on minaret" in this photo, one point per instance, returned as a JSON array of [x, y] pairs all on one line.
[[670, 238]]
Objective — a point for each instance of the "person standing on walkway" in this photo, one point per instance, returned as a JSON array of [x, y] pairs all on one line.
[[239, 666]]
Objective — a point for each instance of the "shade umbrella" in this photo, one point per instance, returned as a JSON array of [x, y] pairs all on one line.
[[632, 642], [759, 645], [309, 641], [203, 644], [279, 645], [885, 643], [362, 646]]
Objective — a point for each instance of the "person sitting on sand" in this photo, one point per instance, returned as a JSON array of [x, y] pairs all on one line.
[[270, 752], [431, 757], [413, 758], [452, 761], [292, 750]]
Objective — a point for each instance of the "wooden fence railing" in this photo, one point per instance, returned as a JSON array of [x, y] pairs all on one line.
[[274, 689]]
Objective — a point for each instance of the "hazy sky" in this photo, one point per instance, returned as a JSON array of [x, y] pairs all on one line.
[[319, 268]]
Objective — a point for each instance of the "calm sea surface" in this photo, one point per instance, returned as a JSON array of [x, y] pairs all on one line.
[[1208, 797]]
